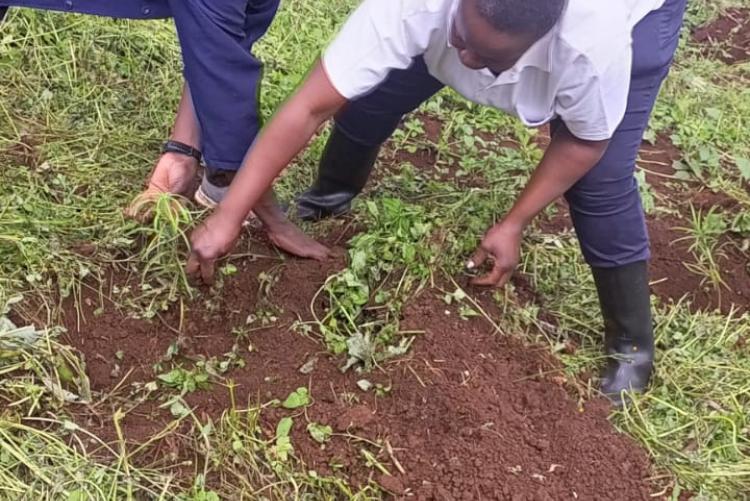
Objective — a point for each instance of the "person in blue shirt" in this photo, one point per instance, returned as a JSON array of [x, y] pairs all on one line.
[[218, 118]]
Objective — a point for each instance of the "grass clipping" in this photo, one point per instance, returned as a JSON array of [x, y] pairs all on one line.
[[695, 418]]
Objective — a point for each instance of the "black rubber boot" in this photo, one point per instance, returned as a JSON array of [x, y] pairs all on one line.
[[342, 173], [628, 332]]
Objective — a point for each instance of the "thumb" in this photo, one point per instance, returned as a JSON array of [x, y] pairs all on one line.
[[477, 259], [193, 265]]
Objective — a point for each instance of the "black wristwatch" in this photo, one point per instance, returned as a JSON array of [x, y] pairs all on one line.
[[181, 148]]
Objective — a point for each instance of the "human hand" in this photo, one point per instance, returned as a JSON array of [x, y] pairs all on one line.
[[173, 173], [502, 243], [213, 239]]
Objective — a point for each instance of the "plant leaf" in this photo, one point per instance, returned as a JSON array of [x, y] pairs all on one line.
[[308, 366], [320, 433], [298, 398], [284, 427], [743, 164]]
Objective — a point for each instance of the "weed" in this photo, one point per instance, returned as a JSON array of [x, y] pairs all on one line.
[[704, 234]]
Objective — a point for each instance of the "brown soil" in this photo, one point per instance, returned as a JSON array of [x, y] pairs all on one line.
[[468, 414], [657, 161], [672, 279], [728, 38], [670, 252]]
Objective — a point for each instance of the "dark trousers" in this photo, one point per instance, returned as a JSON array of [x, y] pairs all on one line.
[[216, 37], [224, 77], [605, 204]]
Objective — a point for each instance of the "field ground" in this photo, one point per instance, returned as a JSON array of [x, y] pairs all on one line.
[[120, 380]]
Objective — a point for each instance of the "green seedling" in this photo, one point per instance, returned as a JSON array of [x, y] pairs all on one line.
[[298, 398], [320, 433]]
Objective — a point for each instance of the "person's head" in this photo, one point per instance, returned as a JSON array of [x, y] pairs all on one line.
[[494, 34]]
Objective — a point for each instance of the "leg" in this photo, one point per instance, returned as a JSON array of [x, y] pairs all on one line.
[[223, 77], [355, 141], [606, 209]]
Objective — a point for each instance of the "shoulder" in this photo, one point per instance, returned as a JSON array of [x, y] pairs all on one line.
[[408, 9]]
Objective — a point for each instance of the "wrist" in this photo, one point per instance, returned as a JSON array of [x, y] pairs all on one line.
[[178, 158], [227, 217], [176, 147], [513, 224]]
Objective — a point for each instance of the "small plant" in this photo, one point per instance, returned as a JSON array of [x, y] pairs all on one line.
[[386, 264], [186, 381], [704, 233], [320, 433], [298, 398]]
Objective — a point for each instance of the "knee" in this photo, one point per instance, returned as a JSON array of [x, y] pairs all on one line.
[[227, 16], [601, 196]]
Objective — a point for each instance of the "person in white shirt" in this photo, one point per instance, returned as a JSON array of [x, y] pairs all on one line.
[[591, 69]]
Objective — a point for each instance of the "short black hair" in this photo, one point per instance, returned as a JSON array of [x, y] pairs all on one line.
[[532, 17]]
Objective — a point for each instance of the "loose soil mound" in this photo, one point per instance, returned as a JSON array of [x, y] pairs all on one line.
[[728, 37], [469, 414]]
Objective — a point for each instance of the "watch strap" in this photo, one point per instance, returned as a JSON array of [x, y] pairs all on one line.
[[181, 148]]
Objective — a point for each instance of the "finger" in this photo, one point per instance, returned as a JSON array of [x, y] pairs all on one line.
[[193, 264], [207, 271], [504, 279], [477, 259], [141, 208], [492, 278]]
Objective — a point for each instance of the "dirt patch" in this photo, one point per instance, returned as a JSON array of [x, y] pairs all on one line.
[[557, 222], [467, 415], [25, 151], [728, 37], [672, 279], [656, 161], [429, 162]]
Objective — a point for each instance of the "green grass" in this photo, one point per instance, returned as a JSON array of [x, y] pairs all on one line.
[[86, 102]]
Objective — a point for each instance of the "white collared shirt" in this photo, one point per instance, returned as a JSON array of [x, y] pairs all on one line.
[[579, 71]]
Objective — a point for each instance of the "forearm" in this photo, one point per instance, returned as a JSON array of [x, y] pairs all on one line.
[[277, 145], [284, 137], [186, 128], [566, 160]]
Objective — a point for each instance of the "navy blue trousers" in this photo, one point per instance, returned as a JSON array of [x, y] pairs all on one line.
[[216, 37], [605, 204]]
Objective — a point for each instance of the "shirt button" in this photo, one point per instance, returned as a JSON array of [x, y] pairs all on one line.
[[68, 4], [146, 10]]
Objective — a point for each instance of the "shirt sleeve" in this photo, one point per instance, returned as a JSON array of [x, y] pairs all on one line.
[[593, 106], [374, 40]]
